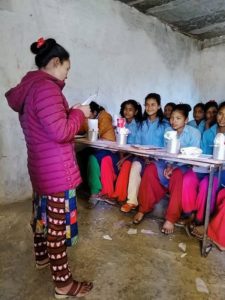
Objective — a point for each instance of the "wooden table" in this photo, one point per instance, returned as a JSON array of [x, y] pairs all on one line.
[[202, 161]]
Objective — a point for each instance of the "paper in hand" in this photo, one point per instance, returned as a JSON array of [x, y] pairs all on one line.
[[89, 99]]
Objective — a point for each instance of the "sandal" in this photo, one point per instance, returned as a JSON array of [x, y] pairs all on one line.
[[182, 222], [208, 249], [127, 207], [102, 198], [137, 221], [216, 245], [76, 290], [195, 232], [92, 203], [210, 246], [41, 266]]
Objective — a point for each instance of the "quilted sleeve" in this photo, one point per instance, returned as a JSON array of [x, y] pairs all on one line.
[[60, 125]]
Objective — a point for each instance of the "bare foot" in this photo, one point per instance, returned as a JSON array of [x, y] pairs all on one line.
[[138, 218], [168, 227]]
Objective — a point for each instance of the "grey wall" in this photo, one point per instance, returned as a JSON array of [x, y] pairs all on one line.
[[115, 51], [211, 73]]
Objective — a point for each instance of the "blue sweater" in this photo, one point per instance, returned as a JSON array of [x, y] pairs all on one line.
[[151, 133], [133, 128], [200, 126]]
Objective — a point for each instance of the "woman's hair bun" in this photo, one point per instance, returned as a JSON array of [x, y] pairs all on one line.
[[42, 45], [34, 49], [45, 50]]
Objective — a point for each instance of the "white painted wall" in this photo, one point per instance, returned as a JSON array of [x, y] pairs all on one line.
[[114, 49], [211, 73]]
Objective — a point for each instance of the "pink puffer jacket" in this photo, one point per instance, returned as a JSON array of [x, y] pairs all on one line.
[[49, 127]]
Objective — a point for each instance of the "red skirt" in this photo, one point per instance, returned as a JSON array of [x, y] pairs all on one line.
[[216, 229]]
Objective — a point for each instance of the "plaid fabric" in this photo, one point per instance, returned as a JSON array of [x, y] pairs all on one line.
[[39, 221]]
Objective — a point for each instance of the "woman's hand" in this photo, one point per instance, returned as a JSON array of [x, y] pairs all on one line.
[[84, 108], [168, 171]]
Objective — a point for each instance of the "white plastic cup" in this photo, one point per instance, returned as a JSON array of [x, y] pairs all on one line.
[[173, 146], [93, 124], [121, 139], [219, 152], [92, 135]]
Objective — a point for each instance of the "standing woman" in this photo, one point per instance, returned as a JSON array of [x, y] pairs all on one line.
[[49, 126]]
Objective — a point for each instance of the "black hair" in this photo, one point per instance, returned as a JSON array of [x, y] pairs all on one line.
[[183, 108], [222, 104], [45, 50], [157, 98], [211, 103], [172, 104], [137, 107], [95, 107], [200, 105]]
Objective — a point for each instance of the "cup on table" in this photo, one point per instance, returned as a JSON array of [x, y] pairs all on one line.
[[121, 139], [173, 146], [92, 135], [219, 152]]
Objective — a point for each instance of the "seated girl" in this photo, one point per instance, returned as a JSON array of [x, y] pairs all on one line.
[[199, 117], [90, 167], [168, 109], [160, 177], [211, 109], [215, 232], [130, 110], [106, 131], [195, 182], [150, 133]]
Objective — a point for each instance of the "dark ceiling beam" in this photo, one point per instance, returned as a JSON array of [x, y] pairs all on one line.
[[144, 5], [133, 2], [210, 35], [148, 4], [200, 19], [213, 42], [200, 22], [129, 2]]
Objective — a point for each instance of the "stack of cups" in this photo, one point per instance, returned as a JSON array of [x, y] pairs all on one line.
[[219, 147], [121, 132], [92, 130]]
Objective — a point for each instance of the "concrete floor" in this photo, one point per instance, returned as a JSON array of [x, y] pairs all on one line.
[[128, 267]]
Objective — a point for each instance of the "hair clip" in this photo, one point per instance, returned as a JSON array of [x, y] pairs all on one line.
[[40, 42]]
